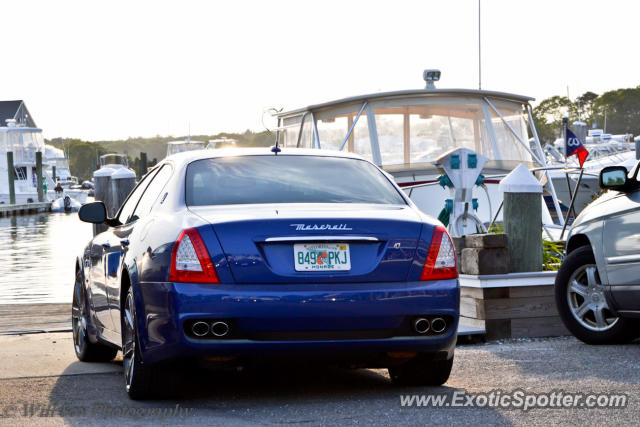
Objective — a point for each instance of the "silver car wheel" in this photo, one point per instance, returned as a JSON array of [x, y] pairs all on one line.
[[587, 303], [129, 346], [78, 318]]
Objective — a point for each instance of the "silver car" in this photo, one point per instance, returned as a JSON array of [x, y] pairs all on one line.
[[598, 285]]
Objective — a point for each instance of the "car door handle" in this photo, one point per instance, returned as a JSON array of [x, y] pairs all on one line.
[[106, 245]]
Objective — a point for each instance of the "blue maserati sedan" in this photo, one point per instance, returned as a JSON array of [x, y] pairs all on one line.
[[237, 256]]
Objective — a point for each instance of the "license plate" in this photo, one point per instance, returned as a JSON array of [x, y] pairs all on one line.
[[322, 257]]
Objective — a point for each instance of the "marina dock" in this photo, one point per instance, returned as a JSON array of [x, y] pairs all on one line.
[[24, 209], [34, 318]]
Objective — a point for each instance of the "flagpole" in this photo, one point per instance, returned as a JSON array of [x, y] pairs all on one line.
[[573, 200]]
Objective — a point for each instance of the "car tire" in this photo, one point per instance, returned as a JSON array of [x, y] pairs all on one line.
[[139, 377], [582, 305], [421, 372], [86, 351]]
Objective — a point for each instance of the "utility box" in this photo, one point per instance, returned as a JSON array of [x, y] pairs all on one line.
[[463, 168]]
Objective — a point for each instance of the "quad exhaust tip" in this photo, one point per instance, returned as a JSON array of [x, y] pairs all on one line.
[[421, 325], [200, 329], [438, 324], [219, 329]]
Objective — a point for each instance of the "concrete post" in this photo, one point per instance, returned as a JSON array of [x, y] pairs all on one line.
[[39, 174], [53, 173], [523, 219], [143, 164], [11, 171]]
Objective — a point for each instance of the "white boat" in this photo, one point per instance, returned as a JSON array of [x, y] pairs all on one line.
[[604, 150], [222, 143], [111, 163], [56, 157], [65, 204], [174, 147], [406, 131], [20, 135]]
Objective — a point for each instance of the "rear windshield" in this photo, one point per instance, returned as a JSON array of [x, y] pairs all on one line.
[[287, 179]]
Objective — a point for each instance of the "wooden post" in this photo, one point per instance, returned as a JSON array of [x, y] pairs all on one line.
[[39, 176], [143, 164], [11, 171], [523, 219]]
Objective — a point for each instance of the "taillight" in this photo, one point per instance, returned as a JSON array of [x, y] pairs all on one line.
[[190, 260], [441, 259]]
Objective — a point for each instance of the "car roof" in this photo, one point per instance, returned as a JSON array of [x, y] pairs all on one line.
[[190, 156]]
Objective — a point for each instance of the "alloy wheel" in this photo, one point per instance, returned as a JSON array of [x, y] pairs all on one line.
[[587, 302], [129, 342], [78, 317]]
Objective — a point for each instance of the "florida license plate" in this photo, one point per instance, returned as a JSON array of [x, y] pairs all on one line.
[[322, 257]]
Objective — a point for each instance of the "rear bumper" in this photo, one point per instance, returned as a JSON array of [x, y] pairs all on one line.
[[336, 320]]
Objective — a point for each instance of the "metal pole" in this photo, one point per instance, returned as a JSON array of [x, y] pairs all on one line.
[[353, 125], [514, 133], [495, 217], [53, 173], [556, 205], [573, 199], [315, 131], [479, 52], [39, 176], [566, 174], [11, 171]]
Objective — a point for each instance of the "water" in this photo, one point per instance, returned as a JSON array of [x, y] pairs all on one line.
[[37, 257]]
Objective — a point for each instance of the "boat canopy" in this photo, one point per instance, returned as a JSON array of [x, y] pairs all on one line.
[[24, 142], [405, 131]]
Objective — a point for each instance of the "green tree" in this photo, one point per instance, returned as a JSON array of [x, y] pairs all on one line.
[[622, 109], [585, 105], [548, 117]]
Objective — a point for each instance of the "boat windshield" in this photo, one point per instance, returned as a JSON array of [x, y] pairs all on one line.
[[412, 133]]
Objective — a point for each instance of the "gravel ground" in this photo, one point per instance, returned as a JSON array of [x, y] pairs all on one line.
[[328, 396]]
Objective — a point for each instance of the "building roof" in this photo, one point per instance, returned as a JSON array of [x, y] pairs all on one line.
[[16, 110]]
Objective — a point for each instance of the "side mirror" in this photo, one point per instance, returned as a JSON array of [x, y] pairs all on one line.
[[614, 178], [95, 213]]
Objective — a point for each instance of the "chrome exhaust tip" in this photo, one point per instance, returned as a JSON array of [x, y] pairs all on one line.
[[200, 329], [438, 324], [421, 325], [219, 329]]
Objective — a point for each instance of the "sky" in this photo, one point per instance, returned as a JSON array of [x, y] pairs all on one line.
[[118, 69]]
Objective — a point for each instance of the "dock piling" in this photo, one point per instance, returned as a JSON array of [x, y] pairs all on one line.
[[523, 219], [39, 176], [11, 172], [143, 164]]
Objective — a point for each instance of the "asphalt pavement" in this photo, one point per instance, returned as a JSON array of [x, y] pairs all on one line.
[[41, 383]]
